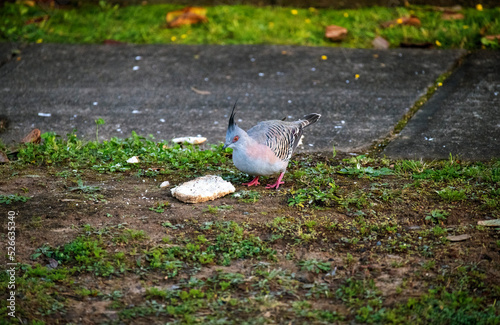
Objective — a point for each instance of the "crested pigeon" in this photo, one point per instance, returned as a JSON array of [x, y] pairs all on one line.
[[267, 147]]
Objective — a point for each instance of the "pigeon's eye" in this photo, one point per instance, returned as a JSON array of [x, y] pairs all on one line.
[[236, 138]]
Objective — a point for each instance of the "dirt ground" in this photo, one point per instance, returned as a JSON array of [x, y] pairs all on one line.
[[381, 241]]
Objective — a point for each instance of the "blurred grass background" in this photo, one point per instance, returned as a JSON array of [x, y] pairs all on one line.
[[28, 22]]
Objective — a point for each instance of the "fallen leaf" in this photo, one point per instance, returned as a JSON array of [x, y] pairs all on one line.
[[36, 20], [493, 37], [456, 8], [335, 33], [489, 223], [50, 3], [4, 123], [447, 15], [186, 16], [458, 237], [200, 92], [112, 42], [380, 43], [3, 157], [412, 21], [29, 3], [32, 137], [409, 21]]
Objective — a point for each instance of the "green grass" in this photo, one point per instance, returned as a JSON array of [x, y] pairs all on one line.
[[246, 25], [112, 155], [296, 263], [8, 199]]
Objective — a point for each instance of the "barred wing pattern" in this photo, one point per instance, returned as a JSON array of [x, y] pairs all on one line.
[[283, 139]]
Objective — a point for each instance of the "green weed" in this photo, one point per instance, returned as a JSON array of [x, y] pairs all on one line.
[[8, 199], [316, 187], [437, 216], [366, 171], [215, 210], [315, 266], [440, 306], [438, 231], [452, 195], [98, 122], [160, 207], [84, 188], [247, 196]]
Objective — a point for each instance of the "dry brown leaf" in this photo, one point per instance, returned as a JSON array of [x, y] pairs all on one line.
[[412, 21], [112, 42], [37, 20], [409, 21], [493, 37], [335, 33], [4, 123], [3, 157], [449, 15], [380, 43], [29, 3], [32, 137], [456, 8], [186, 16]]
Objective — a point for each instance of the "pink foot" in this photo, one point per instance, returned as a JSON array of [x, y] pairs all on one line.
[[278, 182], [255, 182]]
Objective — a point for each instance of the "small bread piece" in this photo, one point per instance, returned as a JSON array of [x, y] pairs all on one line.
[[201, 189]]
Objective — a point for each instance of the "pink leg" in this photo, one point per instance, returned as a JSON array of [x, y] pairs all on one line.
[[255, 182], [278, 182]]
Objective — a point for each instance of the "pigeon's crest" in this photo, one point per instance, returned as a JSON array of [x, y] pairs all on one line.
[[231, 125]]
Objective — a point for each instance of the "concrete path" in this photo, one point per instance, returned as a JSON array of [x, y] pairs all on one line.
[[462, 117], [170, 91]]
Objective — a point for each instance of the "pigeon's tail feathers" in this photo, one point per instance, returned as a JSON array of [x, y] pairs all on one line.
[[310, 119]]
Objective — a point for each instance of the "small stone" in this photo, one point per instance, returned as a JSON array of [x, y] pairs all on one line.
[[458, 237], [201, 189], [53, 263], [190, 140], [489, 223], [380, 43], [133, 160], [165, 184]]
